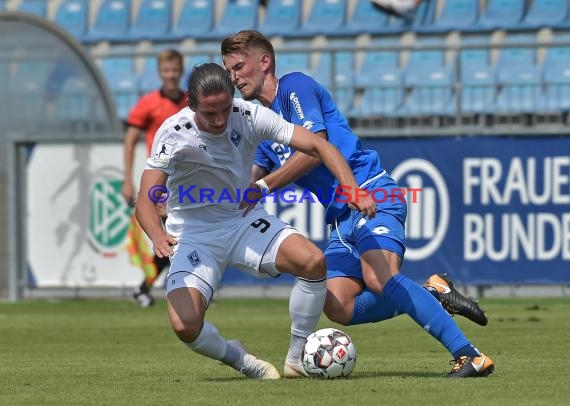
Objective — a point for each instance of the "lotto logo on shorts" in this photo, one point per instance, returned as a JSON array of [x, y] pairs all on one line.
[[194, 259]]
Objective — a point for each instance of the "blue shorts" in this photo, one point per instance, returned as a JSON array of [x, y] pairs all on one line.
[[352, 235]]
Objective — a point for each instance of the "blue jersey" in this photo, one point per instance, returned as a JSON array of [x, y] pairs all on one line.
[[301, 100]]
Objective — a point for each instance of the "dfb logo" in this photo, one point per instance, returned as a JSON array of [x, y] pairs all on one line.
[[428, 216]]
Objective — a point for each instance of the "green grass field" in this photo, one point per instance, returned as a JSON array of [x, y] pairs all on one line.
[[114, 353]]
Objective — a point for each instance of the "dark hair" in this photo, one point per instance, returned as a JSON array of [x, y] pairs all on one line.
[[208, 79]]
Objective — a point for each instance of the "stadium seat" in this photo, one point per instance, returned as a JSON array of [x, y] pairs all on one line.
[[424, 15], [327, 17], [385, 97], [520, 89], [2, 5], [376, 61], [37, 7], [72, 15], [545, 13], [237, 15], [367, 19], [557, 88], [292, 62], [429, 53], [196, 20], [515, 53], [474, 57], [455, 15], [557, 55], [335, 68], [500, 14], [478, 89], [431, 91], [153, 21], [149, 79], [112, 22], [193, 60], [283, 17]]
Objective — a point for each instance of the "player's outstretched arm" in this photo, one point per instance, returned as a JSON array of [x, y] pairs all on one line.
[[147, 214], [304, 141], [296, 166]]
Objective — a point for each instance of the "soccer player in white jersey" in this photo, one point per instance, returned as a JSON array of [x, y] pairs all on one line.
[[203, 154]]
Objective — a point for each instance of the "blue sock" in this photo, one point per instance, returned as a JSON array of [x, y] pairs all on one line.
[[467, 350], [410, 298], [370, 307]]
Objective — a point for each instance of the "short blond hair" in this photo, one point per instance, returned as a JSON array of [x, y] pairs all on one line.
[[246, 39], [170, 55]]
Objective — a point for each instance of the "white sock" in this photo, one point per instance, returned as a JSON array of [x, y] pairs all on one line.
[[305, 306], [209, 342], [212, 345]]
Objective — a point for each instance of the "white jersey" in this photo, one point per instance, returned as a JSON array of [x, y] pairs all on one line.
[[209, 173]]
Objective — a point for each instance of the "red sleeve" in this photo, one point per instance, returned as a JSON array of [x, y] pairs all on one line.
[[140, 115]]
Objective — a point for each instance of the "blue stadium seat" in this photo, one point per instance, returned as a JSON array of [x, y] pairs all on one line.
[[545, 13], [422, 58], [153, 21], [367, 19], [327, 17], [194, 60], [123, 82], [557, 87], [422, 19], [73, 16], [515, 53], [292, 62], [474, 57], [283, 17], [341, 73], [238, 15], [37, 7], [478, 89], [2, 5], [431, 91], [520, 89], [149, 79], [557, 55], [373, 65], [196, 20], [455, 15], [505, 14], [385, 97], [112, 22]]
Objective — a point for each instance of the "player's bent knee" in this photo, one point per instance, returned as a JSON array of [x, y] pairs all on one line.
[[337, 315], [338, 310], [186, 330], [316, 266]]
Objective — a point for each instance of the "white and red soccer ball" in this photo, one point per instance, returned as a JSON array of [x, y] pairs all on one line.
[[329, 353]]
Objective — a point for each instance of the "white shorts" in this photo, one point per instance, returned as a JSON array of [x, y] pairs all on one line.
[[199, 261]]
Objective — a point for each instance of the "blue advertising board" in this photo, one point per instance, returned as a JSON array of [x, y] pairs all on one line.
[[490, 209]]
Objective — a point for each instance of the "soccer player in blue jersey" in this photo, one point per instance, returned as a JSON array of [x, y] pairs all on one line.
[[363, 255]]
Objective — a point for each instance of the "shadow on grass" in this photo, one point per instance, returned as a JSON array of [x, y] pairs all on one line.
[[354, 376]]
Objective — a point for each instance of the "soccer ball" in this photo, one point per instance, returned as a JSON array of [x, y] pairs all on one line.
[[329, 353]]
